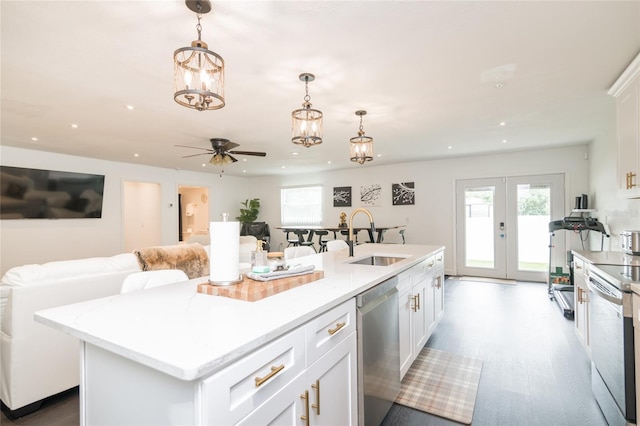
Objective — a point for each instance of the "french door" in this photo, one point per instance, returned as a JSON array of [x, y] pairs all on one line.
[[502, 225]]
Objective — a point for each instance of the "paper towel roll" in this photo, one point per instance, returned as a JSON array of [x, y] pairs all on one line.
[[225, 252]]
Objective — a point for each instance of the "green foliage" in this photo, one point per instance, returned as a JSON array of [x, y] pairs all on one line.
[[250, 211], [534, 203]]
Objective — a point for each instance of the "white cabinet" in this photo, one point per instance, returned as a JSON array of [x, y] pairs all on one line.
[[627, 92], [413, 316], [581, 301], [307, 376], [324, 391], [421, 306]]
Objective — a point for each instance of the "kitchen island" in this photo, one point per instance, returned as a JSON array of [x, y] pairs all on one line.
[[162, 355]]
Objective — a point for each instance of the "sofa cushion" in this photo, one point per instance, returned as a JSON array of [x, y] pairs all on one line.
[[190, 258], [63, 269]]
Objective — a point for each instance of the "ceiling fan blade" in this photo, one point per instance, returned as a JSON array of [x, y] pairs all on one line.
[[195, 155], [193, 147], [257, 154]]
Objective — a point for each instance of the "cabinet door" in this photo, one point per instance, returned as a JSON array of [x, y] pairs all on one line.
[[438, 281], [628, 106], [420, 316], [581, 302], [406, 305], [332, 386], [286, 407]]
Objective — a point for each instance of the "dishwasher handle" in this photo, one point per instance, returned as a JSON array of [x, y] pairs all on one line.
[[376, 291]]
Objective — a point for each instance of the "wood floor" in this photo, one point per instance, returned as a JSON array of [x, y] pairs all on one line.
[[534, 370]]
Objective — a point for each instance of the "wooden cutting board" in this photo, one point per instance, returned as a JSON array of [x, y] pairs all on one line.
[[251, 290]]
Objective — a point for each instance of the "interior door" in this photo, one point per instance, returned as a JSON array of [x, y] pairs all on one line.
[[502, 226], [141, 207]]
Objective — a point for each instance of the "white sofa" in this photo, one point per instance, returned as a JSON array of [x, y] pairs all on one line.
[[37, 361]]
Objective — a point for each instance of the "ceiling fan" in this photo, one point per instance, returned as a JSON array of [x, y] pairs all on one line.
[[221, 151]]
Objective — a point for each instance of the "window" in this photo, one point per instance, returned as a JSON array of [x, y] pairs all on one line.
[[301, 206]]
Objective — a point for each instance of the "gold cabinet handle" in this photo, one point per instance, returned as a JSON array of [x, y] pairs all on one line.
[[579, 295], [305, 417], [415, 304], [418, 302], [274, 371], [316, 386], [631, 184], [339, 325]]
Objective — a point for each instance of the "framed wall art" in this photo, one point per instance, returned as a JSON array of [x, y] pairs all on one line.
[[370, 195], [341, 196], [403, 194]]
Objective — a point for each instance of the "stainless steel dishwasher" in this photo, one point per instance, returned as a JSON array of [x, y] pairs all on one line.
[[378, 351]]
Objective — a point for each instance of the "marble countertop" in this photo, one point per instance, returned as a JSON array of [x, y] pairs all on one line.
[[188, 335], [608, 257]]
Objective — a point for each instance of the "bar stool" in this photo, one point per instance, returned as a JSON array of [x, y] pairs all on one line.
[[292, 241], [323, 241], [301, 240]]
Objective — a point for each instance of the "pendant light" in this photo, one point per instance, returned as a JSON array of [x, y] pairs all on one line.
[[198, 72], [361, 146], [306, 122]]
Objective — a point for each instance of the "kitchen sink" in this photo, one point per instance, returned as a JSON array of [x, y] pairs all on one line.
[[378, 260]]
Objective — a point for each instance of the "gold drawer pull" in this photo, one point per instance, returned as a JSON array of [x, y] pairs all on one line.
[[339, 325], [415, 304], [317, 404], [418, 300], [305, 417], [274, 371]]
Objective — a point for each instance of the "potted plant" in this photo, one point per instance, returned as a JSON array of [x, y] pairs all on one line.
[[250, 211]]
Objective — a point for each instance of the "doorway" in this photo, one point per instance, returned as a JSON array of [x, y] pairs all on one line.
[[502, 225], [141, 207], [193, 222]]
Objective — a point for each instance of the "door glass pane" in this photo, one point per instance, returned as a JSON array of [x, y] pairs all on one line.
[[534, 214], [479, 233]]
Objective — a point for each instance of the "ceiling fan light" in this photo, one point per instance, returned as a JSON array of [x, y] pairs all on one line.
[[198, 72], [306, 122], [361, 146]]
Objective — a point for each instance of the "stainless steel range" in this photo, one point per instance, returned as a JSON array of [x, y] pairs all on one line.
[[612, 341]]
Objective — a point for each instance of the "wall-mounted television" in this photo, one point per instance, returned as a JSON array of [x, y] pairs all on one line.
[[49, 194]]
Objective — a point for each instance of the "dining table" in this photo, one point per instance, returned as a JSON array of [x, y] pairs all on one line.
[[377, 238]]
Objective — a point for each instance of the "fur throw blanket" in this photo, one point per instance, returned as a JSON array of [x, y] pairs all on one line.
[[190, 258]]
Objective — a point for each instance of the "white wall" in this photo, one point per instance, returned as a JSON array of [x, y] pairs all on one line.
[[432, 219], [41, 240]]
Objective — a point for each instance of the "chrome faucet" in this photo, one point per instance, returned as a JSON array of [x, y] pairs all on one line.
[[350, 238]]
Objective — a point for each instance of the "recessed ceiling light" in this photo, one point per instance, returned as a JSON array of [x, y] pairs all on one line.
[[244, 159], [449, 147], [136, 155], [295, 153], [75, 126], [34, 139], [329, 162], [503, 123], [504, 141], [129, 107], [379, 155], [204, 164], [244, 171], [283, 167]]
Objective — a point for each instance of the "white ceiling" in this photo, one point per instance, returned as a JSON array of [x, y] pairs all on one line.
[[426, 72]]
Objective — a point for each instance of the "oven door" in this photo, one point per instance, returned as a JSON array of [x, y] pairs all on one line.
[[610, 346]]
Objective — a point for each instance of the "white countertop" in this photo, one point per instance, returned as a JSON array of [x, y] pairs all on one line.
[[189, 335], [608, 257]]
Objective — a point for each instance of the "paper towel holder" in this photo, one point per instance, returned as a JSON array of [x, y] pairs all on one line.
[[225, 218]]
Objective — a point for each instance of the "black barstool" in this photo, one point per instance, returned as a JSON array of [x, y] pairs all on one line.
[[292, 241], [323, 241], [301, 240]]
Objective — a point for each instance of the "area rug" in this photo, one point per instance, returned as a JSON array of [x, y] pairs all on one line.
[[442, 384], [487, 280]]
